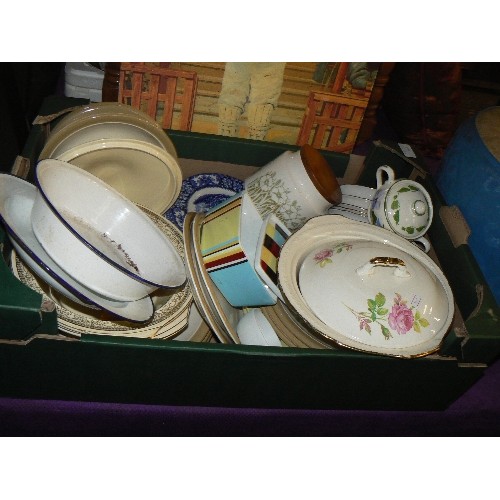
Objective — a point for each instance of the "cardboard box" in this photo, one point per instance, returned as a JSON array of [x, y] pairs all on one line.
[[475, 336], [126, 370]]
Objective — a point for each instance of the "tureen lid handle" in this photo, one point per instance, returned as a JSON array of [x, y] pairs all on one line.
[[399, 266]]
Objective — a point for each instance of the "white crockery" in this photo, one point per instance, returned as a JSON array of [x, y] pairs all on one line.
[[366, 288], [144, 173], [401, 205], [16, 201], [171, 307], [255, 329], [99, 237], [295, 186], [355, 202], [349, 214], [105, 120], [362, 192]]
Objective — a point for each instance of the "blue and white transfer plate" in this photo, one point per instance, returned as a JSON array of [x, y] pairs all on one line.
[[200, 193]]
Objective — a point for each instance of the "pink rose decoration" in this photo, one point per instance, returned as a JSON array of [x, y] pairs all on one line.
[[323, 254], [401, 318]]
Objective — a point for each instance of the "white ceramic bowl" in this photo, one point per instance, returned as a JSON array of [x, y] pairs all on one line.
[[99, 237], [255, 329], [16, 201], [144, 173], [105, 120]]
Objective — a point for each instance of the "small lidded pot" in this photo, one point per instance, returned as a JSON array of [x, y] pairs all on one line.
[[401, 205]]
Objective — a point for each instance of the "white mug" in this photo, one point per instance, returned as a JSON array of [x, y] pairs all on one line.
[[295, 186]]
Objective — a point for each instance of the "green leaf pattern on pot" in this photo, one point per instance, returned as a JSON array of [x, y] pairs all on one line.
[[395, 205], [401, 318], [271, 195]]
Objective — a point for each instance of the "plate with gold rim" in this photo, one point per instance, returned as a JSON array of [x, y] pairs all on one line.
[[205, 306], [228, 315], [221, 319]]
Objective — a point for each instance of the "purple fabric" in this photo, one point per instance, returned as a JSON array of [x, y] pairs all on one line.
[[475, 413]]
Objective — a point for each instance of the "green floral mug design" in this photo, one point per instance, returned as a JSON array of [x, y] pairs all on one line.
[[270, 195]]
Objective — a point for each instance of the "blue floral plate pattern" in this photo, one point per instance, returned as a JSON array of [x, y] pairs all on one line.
[[200, 193]]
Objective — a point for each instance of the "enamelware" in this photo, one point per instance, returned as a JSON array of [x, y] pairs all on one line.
[[171, 307], [363, 287], [229, 237], [100, 238], [295, 186], [16, 202], [200, 193], [75, 320], [143, 173]]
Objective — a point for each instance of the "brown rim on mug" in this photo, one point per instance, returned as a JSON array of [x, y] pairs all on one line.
[[321, 174]]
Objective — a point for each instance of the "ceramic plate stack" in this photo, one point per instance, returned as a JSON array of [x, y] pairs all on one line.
[[174, 316], [221, 316], [290, 330], [122, 146]]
